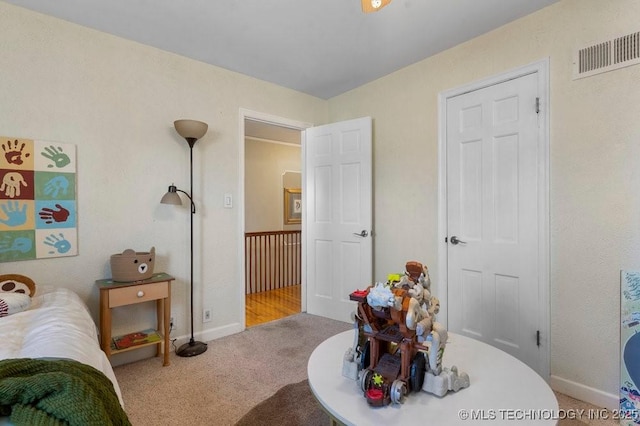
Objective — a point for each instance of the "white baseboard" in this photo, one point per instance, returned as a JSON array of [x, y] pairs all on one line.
[[210, 334], [585, 393], [218, 332]]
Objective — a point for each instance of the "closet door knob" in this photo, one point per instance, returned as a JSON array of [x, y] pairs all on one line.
[[455, 241]]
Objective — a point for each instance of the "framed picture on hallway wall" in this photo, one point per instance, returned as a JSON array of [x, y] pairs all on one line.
[[292, 206]]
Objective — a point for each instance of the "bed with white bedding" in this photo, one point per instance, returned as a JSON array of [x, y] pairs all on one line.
[[55, 326]]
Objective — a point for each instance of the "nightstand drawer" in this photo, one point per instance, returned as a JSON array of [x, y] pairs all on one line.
[[138, 293]]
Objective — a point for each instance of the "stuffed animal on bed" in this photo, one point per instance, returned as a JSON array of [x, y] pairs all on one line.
[[15, 293]]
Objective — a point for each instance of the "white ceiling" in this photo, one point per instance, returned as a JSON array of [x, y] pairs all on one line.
[[321, 47]]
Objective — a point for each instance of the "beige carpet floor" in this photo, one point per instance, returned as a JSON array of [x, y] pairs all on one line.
[[235, 374], [242, 378]]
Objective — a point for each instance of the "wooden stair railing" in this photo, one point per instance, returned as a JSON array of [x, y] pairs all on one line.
[[273, 259]]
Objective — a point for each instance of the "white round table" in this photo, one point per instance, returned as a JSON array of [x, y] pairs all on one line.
[[503, 389]]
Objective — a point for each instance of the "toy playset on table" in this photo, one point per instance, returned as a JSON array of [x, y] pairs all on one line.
[[399, 345]]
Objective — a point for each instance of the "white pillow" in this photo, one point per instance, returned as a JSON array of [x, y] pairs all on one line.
[[10, 303]]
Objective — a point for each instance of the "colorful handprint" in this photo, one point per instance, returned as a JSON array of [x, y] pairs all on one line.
[[11, 184], [61, 244], [13, 154], [16, 214], [53, 187], [18, 244], [49, 215], [59, 158]]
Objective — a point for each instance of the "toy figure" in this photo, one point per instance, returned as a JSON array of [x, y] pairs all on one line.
[[380, 296], [399, 345]]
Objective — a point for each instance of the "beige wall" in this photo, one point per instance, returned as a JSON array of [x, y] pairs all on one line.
[[117, 100], [265, 165], [595, 158]]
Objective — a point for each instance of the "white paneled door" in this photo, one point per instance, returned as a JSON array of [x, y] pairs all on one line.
[[493, 216], [338, 218]]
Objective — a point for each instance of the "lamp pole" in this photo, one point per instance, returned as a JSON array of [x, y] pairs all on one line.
[[193, 213], [191, 131], [192, 348]]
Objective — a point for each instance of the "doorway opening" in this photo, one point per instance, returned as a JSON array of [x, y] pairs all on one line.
[[272, 228]]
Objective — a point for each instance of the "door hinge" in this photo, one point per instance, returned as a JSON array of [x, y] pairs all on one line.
[[538, 338], [538, 105]]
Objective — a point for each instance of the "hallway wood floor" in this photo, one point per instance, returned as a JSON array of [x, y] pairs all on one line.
[[272, 305]]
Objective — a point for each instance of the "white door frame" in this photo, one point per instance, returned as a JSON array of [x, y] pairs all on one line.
[[542, 69], [277, 121]]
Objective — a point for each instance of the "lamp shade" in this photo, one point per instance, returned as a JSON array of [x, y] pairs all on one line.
[[190, 129], [171, 197]]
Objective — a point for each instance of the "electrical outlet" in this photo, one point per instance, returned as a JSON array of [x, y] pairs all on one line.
[[206, 315]]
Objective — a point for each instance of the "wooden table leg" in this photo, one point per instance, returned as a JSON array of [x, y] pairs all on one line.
[[159, 316], [166, 309], [105, 324]]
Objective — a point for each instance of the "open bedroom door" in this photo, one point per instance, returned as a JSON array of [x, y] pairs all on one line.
[[337, 220]]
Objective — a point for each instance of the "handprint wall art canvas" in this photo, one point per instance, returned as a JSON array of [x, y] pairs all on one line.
[[38, 206]]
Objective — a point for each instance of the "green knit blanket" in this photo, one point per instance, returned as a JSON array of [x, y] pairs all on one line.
[[37, 392]]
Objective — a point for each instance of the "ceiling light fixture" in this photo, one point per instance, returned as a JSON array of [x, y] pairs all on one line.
[[369, 6]]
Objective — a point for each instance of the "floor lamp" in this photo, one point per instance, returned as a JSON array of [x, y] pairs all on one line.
[[191, 130]]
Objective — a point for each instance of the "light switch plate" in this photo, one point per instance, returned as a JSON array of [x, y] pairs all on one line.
[[228, 201]]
